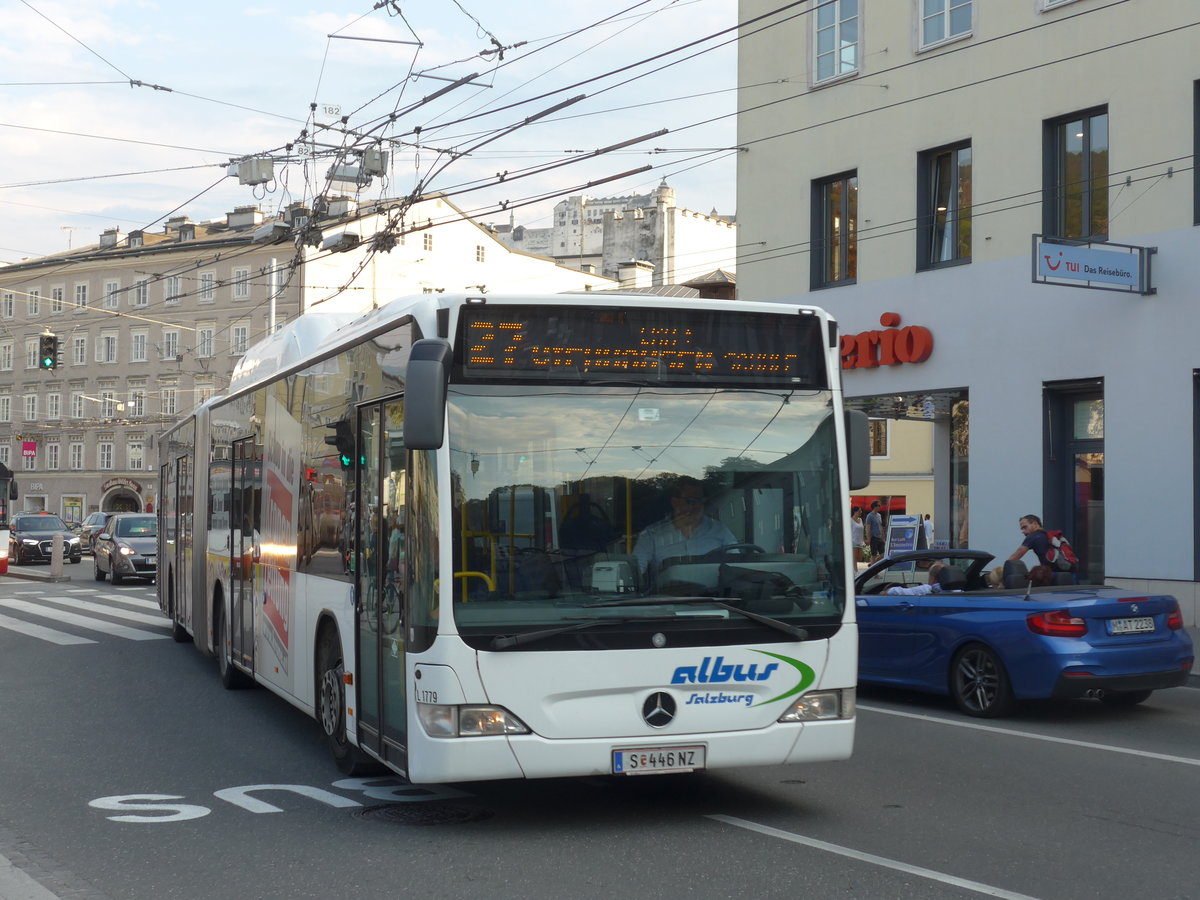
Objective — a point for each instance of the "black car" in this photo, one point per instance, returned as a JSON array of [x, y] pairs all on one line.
[[92, 526], [31, 538], [127, 547]]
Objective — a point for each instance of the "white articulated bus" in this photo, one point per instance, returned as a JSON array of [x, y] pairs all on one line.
[[483, 537]]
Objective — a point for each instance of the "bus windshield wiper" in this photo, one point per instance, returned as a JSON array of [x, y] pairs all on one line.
[[794, 631], [530, 637]]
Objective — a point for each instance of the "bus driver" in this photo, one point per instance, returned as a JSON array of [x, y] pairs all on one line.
[[687, 531]]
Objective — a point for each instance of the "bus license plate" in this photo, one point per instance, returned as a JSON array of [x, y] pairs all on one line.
[[1139, 625], [656, 760]]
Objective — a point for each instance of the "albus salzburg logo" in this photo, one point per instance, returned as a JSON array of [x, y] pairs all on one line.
[[717, 671]]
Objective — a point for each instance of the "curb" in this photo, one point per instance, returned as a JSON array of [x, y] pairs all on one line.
[[35, 576]]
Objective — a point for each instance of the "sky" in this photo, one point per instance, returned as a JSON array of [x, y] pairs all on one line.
[[121, 113]]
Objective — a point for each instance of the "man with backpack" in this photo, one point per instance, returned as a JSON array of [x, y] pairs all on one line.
[[1051, 547]]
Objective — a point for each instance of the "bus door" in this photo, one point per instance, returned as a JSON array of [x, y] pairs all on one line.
[[247, 466], [380, 574]]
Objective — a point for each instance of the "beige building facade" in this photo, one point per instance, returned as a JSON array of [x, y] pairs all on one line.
[[922, 170]]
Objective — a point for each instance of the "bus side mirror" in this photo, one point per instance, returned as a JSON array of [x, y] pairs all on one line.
[[858, 449], [425, 394], [12, 490]]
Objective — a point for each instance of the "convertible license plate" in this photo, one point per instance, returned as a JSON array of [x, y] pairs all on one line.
[[657, 760], [1138, 625]]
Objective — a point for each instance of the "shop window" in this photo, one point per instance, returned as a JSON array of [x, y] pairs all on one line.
[[880, 431]]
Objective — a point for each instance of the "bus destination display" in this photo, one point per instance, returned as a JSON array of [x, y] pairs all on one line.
[[660, 345]]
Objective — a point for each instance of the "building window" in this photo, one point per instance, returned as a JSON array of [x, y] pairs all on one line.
[[168, 401], [879, 437], [29, 463], [77, 406], [141, 293], [835, 231], [241, 284], [31, 405], [35, 303], [204, 393], [108, 404], [1075, 196], [5, 408], [942, 20], [112, 294], [173, 289], [170, 344], [428, 241], [1053, 4], [6, 356], [207, 287], [6, 454], [137, 404], [204, 341], [79, 350], [104, 455], [56, 300], [135, 455], [238, 337], [76, 452], [106, 348], [137, 348], [81, 296], [944, 206], [479, 253], [52, 457], [836, 39], [53, 406], [7, 305], [32, 357]]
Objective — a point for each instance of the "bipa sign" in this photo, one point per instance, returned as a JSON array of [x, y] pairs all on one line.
[[890, 346]]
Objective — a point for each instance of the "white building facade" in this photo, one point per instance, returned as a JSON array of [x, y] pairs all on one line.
[[903, 158], [602, 233]]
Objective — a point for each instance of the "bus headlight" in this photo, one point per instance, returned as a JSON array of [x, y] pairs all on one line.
[[468, 721], [817, 706]]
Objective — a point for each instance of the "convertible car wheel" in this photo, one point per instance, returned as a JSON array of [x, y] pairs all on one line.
[[979, 683]]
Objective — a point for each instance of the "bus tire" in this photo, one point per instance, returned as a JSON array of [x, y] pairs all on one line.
[[231, 678], [331, 706]]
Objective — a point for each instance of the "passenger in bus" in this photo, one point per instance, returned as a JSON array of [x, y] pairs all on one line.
[[687, 531]]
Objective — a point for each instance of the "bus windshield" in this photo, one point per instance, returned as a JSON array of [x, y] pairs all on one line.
[[604, 516]]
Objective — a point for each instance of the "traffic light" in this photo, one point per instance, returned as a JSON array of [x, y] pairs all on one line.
[[343, 439], [48, 350]]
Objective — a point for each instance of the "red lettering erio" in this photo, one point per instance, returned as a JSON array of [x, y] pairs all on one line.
[[914, 344], [866, 353]]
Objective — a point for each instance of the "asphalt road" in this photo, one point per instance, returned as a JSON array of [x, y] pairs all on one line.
[[1065, 800]]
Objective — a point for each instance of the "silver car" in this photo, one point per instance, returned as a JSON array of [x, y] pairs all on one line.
[[127, 548]]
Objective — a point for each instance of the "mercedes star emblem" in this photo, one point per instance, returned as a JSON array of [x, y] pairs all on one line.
[[659, 710]]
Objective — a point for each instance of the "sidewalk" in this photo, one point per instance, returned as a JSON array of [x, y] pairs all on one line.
[[38, 573]]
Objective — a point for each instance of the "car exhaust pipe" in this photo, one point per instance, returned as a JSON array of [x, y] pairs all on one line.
[[1096, 693]]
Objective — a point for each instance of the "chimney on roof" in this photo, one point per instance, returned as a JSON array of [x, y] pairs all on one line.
[[244, 217], [111, 237], [341, 207], [637, 273]]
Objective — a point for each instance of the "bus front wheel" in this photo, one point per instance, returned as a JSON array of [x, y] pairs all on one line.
[[331, 707]]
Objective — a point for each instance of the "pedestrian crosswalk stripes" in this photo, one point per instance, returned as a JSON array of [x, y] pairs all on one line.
[[42, 632], [54, 611], [127, 615]]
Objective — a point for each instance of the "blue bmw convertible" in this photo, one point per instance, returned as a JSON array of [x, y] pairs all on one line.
[[989, 647]]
